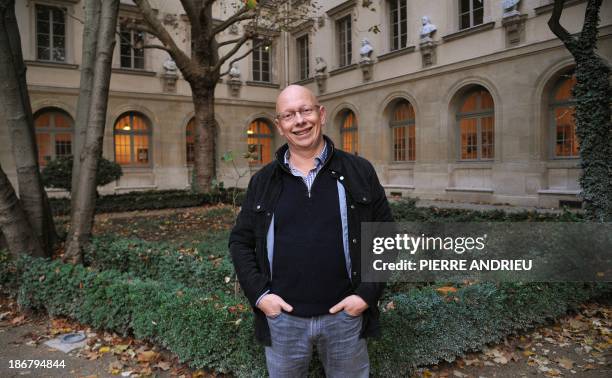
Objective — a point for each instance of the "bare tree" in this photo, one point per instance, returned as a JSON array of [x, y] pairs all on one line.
[[13, 222], [90, 42], [593, 126], [17, 111], [202, 70], [83, 200]]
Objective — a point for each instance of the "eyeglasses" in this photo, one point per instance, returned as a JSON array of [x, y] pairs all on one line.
[[305, 111]]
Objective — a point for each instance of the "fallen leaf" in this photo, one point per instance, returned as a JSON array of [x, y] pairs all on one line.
[[163, 365], [147, 356], [565, 363], [18, 320], [104, 349], [444, 290]]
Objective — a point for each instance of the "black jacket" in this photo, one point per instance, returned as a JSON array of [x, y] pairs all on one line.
[[366, 202]]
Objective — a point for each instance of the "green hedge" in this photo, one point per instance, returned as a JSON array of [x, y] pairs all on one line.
[[406, 211], [152, 200], [207, 329], [209, 269], [212, 329]]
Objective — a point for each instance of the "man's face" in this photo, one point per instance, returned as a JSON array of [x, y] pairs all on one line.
[[303, 132]]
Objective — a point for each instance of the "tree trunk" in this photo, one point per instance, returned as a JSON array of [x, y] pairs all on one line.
[[593, 127], [18, 113], [90, 43], [205, 157], [84, 201], [14, 224]]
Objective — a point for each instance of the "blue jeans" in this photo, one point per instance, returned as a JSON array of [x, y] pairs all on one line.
[[336, 337]]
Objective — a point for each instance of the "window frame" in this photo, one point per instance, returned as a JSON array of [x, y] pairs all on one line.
[[409, 123], [471, 12], [132, 55], [393, 38], [353, 129], [52, 131], [257, 136], [49, 8], [261, 61], [478, 115], [303, 56], [132, 133], [552, 106], [345, 53]]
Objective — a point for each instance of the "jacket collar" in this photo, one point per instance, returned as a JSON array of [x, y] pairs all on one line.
[[280, 154]]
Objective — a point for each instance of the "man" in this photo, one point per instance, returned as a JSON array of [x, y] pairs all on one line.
[[296, 247]]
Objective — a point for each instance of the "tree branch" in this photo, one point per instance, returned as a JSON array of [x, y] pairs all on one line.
[[228, 42], [161, 47], [183, 61], [588, 36], [191, 9], [243, 14], [241, 41], [241, 57], [555, 25]]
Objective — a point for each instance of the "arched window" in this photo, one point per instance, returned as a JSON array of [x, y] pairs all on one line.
[[259, 139], [403, 130], [54, 131], [348, 132], [132, 140], [562, 108], [190, 141], [476, 127]]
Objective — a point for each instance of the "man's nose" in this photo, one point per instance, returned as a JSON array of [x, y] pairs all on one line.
[[299, 118]]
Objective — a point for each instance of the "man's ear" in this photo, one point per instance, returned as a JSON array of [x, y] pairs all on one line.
[[323, 115], [280, 130]]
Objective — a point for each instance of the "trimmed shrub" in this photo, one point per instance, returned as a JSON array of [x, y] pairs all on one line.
[[58, 172], [426, 327], [207, 329], [151, 200], [210, 329], [407, 211], [209, 269]]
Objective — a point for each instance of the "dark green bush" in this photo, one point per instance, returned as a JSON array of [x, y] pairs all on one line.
[[426, 327], [209, 269], [407, 211], [207, 329], [152, 200], [214, 330], [58, 173]]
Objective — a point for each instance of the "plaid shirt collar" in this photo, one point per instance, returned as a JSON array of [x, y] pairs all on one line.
[[319, 159]]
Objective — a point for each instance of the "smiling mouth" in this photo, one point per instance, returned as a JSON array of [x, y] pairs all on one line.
[[302, 132]]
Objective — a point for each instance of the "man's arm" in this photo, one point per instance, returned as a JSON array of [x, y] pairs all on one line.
[[253, 281], [371, 292]]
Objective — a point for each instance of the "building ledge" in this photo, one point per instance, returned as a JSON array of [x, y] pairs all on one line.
[[469, 31], [130, 71], [134, 188], [562, 192], [262, 84], [345, 6], [342, 69], [304, 81], [51, 64], [396, 53], [471, 190], [393, 186], [549, 7]]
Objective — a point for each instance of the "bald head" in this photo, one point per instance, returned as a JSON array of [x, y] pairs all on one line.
[[293, 92], [303, 128]]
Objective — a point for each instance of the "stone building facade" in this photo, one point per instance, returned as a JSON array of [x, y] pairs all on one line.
[[466, 100]]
